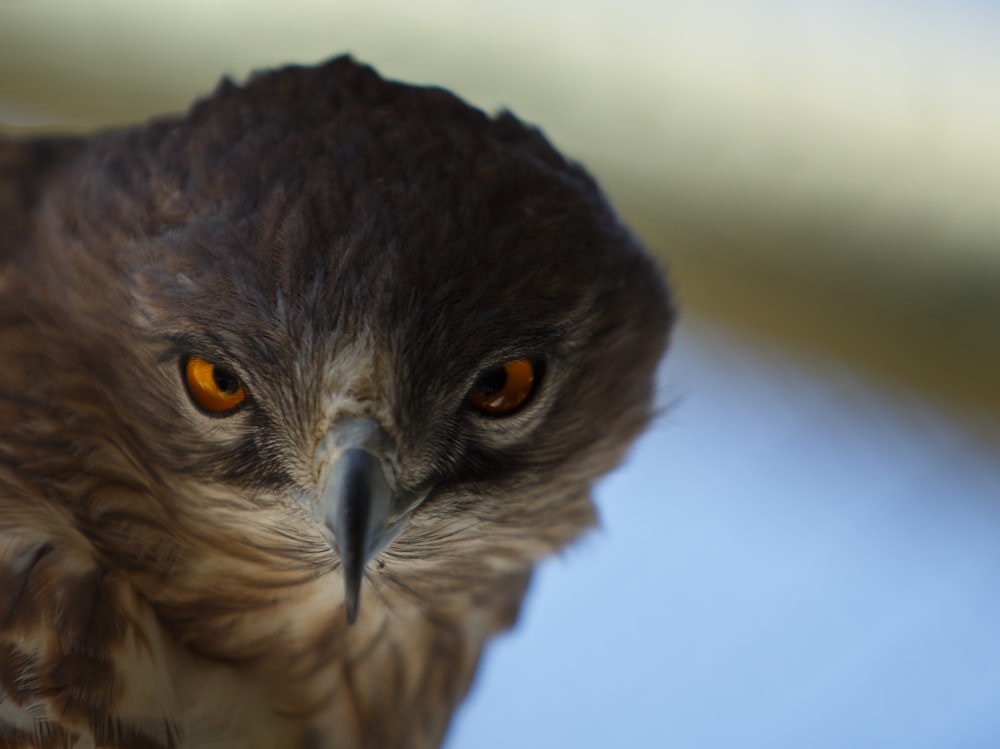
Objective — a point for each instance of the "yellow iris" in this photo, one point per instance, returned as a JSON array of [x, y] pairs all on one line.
[[503, 389], [214, 388]]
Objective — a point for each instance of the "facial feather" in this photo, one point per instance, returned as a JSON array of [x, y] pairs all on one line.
[[349, 251]]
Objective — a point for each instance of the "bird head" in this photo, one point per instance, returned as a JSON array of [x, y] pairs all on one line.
[[328, 327]]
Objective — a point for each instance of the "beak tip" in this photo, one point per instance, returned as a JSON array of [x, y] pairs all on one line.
[[353, 571], [352, 611]]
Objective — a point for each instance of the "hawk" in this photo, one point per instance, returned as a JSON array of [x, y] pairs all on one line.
[[295, 389]]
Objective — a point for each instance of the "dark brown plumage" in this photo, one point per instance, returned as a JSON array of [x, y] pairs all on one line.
[[328, 348]]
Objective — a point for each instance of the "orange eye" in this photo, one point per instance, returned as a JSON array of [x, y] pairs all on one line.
[[214, 388], [501, 390]]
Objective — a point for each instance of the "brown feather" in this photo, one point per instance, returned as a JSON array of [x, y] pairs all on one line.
[[345, 245]]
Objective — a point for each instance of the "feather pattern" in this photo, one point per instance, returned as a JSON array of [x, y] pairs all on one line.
[[348, 248]]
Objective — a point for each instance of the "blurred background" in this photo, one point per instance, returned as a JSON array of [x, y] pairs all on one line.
[[805, 549]]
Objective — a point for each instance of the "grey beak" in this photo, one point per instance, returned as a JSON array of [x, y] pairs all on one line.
[[358, 503], [359, 498]]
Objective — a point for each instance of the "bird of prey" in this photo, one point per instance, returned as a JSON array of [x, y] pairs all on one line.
[[295, 389]]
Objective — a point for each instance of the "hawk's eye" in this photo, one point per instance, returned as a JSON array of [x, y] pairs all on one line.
[[502, 390], [213, 387]]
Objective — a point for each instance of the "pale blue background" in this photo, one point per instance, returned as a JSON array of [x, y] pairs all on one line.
[[791, 558]]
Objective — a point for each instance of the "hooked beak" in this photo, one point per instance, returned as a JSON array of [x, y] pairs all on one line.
[[359, 498]]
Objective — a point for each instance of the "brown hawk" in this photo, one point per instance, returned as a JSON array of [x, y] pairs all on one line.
[[294, 392]]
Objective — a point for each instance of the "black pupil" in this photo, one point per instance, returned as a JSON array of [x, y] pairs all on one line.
[[225, 380], [492, 381]]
